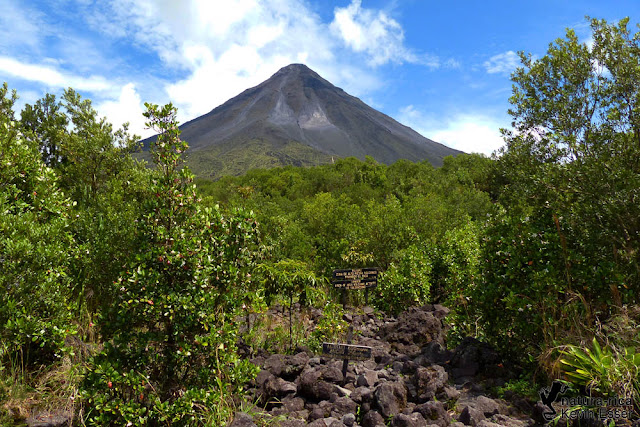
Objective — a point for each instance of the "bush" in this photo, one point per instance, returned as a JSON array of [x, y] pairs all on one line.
[[171, 354], [35, 249], [407, 282]]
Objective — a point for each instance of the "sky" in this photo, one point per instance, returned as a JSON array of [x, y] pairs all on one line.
[[440, 67]]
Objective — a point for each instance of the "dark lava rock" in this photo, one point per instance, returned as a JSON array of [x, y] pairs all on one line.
[[433, 353], [429, 381], [448, 393], [489, 407], [343, 406], [471, 416], [503, 420], [361, 395], [349, 419], [327, 422], [373, 419], [473, 357], [391, 398], [294, 365], [332, 374], [282, 388], [414, 328], [275, 364], [293, 404], [292, 423], [242, 419], [413, 420], [368, 378], [316, 413], [434, 412], [312, 387]]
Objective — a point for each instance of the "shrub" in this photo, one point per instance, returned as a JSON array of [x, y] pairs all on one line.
[[407, 282], [35, 249], [171, 354]]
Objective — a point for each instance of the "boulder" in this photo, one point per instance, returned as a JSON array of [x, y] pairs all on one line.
[[413, 420], [471, 416], [390, 398], [312, 387], [242, 419], [414, 328], [473, 357], [343, 406], [294, 365], [349, 419], [434, 412], [368, 378], [429, 381], [373, 419]]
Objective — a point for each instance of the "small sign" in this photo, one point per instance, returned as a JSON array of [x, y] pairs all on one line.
[[355, 278], [346, 351]]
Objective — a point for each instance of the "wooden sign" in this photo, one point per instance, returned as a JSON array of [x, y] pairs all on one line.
[[346, 351], [355, 278]]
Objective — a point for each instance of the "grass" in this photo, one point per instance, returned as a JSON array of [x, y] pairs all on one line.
[[271, 332], [236, 159], [51, 389]]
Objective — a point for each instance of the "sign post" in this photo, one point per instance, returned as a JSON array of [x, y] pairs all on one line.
[[346, 352], [346, 279], [355, 278]]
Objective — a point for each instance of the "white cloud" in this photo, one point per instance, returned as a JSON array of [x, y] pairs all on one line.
[[19, 27], [222, 48], [208, 50], [51, 77], [127, 108], [504, 63], [468, 132], [471, 134], [376, 34]]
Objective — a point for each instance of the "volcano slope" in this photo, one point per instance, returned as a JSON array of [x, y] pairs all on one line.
[[297, 118]]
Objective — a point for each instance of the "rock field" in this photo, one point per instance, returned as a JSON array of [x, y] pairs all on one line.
[[412, 380]]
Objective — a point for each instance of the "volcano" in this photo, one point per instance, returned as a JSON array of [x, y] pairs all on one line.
[[298, 118]]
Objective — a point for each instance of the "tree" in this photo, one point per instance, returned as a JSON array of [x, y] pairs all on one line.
[[7, 99], [575, 149], [47, 124], [109, 186], [172, 328], [36, 248], [571, 230], [288, 277]]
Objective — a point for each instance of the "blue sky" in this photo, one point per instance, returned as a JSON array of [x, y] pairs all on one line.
[[441, 67]]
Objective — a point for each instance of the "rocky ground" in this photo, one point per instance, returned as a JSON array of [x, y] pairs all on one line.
[[411, 380]]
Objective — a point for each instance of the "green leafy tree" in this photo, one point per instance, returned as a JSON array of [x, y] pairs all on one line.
[[407, 281], [7, 100], [171, 357], [36, 248], [289, 278], [109, 187], [574, 153], [46, 123], [95, 168], [566, 250]]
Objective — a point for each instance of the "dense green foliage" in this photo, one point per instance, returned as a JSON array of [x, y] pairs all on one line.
[[36, 250], [172, 320], [404, 219], [564, 253]]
